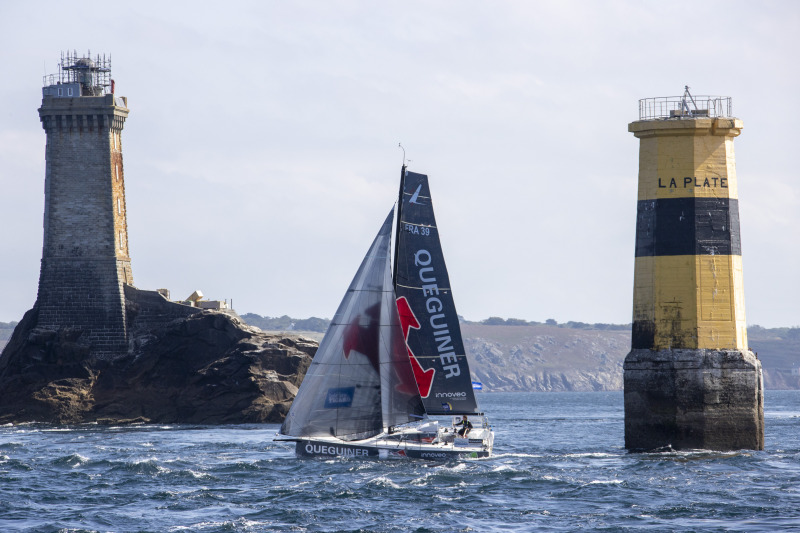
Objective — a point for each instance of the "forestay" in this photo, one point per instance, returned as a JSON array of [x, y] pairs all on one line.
[[360, 380], [426, 306]]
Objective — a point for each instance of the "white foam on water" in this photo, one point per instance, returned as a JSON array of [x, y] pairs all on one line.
[[605, 482], [384, 482], [152, 461], [457, 468], [421, 481], [200, 526]]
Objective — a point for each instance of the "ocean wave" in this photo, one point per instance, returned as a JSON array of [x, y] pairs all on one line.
[[575, 476], [148, 466], [606, 482], [592, 455], [693, 455], [520, 455], [73, 460], [383, 481]]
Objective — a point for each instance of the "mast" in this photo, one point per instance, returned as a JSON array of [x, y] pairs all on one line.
[[397, 227]]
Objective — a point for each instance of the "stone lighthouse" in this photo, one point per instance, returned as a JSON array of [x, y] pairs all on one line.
[[690, 379], [85, 258], [167, 355]]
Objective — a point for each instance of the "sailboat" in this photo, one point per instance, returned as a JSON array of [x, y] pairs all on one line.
[[392, 359]]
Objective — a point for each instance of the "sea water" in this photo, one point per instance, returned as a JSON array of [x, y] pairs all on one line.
[[559, 465]]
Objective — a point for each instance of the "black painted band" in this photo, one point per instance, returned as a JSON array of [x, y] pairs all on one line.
[[643, 334], [688, 226]]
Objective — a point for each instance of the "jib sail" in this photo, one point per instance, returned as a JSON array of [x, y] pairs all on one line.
[[360, 380], [425, 302]]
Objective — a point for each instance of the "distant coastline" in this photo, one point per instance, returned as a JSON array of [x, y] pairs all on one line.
[[518, 355]]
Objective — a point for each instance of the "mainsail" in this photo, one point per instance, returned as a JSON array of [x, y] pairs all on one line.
[[360, 380], [425, 302]]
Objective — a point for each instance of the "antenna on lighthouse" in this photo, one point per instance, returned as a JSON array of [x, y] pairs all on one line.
[[687, 97]]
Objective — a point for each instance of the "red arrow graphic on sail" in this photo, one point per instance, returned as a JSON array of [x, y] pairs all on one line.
[[409, 320]]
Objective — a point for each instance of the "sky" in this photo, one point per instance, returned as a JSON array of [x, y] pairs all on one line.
[[261, 150]]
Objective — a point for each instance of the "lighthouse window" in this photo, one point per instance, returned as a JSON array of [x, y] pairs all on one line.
[[121, 242], [69, 91], [119, 206], [60, 91], [116, 171]]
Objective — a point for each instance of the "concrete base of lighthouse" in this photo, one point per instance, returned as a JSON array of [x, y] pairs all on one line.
[[693, 399]]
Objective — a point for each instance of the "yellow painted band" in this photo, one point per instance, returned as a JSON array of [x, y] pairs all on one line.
[[686, 158], [694, 301]]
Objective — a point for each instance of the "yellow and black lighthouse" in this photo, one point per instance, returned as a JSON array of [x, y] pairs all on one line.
[[690, 379]]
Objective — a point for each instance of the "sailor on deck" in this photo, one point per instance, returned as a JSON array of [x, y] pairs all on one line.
[[465, 424]]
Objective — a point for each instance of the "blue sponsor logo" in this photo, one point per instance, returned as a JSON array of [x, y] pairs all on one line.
[[339, 397], [446, 406], [477, 385]]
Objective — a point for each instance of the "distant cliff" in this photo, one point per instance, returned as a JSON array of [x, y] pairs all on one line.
[[516, 355], [552, 358], [779, 352], [545, 358]]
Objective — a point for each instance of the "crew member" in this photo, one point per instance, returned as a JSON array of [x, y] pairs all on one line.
[[465, 424]]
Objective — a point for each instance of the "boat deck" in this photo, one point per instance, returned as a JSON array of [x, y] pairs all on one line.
[[423, 441]]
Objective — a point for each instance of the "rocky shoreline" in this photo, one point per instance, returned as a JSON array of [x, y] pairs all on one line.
[[205, 368]]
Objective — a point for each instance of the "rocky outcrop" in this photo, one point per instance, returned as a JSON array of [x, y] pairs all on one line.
[[207, 367]]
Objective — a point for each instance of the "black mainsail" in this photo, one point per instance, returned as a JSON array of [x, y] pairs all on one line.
[[360, 381], [425, 302]]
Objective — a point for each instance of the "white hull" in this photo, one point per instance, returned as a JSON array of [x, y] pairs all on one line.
[[426, 441]]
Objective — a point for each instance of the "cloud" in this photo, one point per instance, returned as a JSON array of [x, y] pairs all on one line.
[[261, 149]]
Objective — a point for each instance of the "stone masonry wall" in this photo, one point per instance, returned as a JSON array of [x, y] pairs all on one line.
[[84, 256], [701, 399], [148, 310]]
